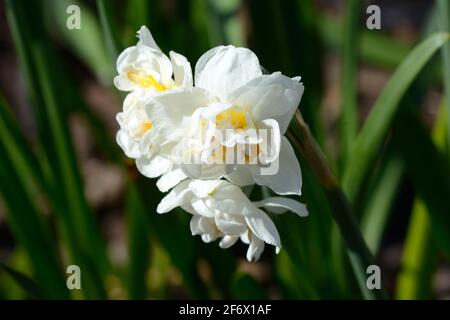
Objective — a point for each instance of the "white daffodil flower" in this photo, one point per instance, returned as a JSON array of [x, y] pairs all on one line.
[[140, 141], [136, 136], [231, 103], [145, 71], [221, 210], [145, 66]]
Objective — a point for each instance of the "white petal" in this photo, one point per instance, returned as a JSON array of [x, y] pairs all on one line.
[[170, 179], [201, 209], [182, 71], [255, 249], [288, 177], [207, 226], [128, 145], [272, 96], [230, 226], [177, 197], [225, 68], [207, 238], [202, 188], [194, 225], [263, 227], [203, 171], [171, 107], [240, 176], [153, 167], [146, 38], [232, 201], [271, 140], [122, 83], [245, 237], [280, 205], [227, 241]]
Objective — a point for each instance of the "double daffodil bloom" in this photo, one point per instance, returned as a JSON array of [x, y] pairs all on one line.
[[187, 136], [221, 210], [146, 71], [231, 102], [145, 66]]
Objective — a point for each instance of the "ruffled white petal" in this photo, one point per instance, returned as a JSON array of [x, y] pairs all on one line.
[[272, 96], [201, 208], [228, 241], [230, 226], [128, 145], [263, 227], [177, 197], [255, 249], [182, 71], [288, 179], [153, 167], [146, 38], [170, 108], [170, 179], [203, 188], [281, 205], [226, 68]]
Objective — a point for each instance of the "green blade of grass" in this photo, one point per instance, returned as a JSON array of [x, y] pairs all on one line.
[[17, 148], [138, 244], [82, 221], [180, 248], [55, 153], [418, 258], [290, 54], [444, 24], [108, 27], [245, 287], [376, 213], [86, 42], [27, 224], [369, 140], [349, 91], [138, 14], [358, 252], [429, 173], [27, 284]]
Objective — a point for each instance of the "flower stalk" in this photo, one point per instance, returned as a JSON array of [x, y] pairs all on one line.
[[357, 249]]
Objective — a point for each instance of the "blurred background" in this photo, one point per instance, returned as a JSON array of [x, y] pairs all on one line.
[[69, 196]]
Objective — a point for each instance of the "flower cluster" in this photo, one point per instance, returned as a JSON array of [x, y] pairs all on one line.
[[206, 141]]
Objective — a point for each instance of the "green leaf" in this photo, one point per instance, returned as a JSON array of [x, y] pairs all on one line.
[[180, 248], [349, 90], [138, 244], [246, 287], [86, 42], [27, 284], [444, 24], [419, 257], [369, 140], [109, 29], [376, 212], [18, 190], [429, 172], [358, 252], [80, 224]]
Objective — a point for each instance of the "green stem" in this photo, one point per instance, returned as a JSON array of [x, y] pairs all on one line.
[[444, 24], [109, 30], [349, 114], [357, 249], [418, 257]]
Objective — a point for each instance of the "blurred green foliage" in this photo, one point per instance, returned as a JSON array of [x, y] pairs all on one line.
[[43, 194]]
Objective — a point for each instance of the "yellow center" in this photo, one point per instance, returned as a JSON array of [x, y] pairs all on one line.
[[143, 128], [145, 80], [237, 119]]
